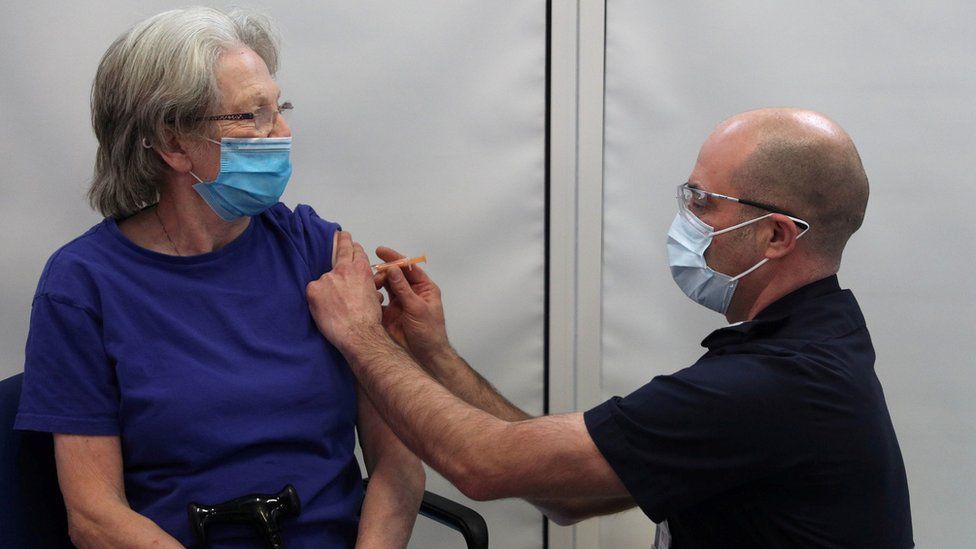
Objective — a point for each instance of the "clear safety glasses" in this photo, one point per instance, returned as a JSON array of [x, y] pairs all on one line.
[[692, 200]]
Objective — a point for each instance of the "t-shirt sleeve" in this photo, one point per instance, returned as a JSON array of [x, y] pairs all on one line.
[[315, 237], [69, 384], [683, 438]]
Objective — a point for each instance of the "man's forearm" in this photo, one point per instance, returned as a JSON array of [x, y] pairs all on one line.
[[451, 370], [460, 378], [485, 457], [430, 420]]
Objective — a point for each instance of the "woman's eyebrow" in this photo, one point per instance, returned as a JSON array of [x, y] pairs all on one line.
[[260, 98]]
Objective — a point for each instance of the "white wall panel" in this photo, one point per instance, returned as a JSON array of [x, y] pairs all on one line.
[[901, 78], [418, 125]]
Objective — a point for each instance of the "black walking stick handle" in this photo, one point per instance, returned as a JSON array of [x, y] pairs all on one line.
[[263, 511]]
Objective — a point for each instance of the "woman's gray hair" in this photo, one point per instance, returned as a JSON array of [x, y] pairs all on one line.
[[158, 79]]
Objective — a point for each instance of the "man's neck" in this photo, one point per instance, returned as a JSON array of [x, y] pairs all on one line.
[[752, 297]]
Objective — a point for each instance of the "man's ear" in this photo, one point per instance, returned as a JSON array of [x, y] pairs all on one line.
[[173, 151], [782, 239]]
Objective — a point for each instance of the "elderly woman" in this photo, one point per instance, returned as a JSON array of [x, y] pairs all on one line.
[[171, 349]]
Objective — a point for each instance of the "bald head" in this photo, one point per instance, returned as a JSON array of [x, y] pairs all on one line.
[[804, 163]]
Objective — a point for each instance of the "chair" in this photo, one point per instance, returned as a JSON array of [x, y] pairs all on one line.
[[34, 514]]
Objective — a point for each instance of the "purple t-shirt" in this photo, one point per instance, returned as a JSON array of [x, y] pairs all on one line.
[[209, 368]]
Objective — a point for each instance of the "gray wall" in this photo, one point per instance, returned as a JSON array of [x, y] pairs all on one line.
[[417, 125]]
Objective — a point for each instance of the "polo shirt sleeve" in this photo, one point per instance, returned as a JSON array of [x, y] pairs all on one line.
[[69, 383], [704, 430]]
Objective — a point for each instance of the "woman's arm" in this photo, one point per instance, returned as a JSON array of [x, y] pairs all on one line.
[[90, 474], [396, 482]]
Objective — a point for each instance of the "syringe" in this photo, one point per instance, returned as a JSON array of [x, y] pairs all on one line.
[[409, 262]]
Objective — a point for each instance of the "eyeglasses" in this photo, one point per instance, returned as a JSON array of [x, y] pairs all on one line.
[[263, 118], [693, 198]]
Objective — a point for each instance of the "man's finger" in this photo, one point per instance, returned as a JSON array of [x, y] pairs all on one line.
[[358, 253], [415, 274], [388, 254], [399, 285], [344, 250]]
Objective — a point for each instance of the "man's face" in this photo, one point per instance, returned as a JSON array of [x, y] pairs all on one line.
[[733, 252]]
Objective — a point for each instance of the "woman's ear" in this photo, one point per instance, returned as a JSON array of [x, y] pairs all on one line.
[[782, 240], [173, 151]]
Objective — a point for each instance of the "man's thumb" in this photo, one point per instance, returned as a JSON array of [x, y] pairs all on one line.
[[399, 283]]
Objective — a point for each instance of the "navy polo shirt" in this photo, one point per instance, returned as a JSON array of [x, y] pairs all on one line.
[[779, 436]]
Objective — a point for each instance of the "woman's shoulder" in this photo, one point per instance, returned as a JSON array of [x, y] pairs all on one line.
[[311, 234], [302, 219], [68, 271]]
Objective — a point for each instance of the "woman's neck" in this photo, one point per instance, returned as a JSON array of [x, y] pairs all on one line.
[[181, 224]]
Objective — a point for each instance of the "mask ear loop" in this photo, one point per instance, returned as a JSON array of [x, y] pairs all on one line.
[[765, 259], [749, 270], [802, 222], [195, 176], [740, 225]]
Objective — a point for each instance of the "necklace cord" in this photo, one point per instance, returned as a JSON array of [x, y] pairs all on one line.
[[165, 232]]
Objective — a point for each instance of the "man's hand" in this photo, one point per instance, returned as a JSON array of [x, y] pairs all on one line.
[[414, 317], [344, 300]]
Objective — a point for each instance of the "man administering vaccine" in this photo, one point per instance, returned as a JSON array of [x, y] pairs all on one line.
[[778, 436]]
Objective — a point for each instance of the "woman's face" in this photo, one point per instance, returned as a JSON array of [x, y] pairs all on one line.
[[245, 85]]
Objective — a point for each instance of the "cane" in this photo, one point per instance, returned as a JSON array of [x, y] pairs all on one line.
[[260, 510]]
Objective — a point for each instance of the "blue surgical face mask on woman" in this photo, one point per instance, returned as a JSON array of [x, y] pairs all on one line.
[[253, 174], [688, 238]]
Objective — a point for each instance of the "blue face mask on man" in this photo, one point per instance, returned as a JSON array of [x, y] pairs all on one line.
[[253, 175], [688, 238]]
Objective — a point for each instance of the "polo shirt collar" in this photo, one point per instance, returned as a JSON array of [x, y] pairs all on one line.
[[775, 319]]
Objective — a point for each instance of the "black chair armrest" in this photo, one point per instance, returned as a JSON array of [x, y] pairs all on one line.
[[459, 517], [455, 516]]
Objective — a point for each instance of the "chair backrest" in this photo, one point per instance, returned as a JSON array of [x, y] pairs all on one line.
[[33, 514]]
